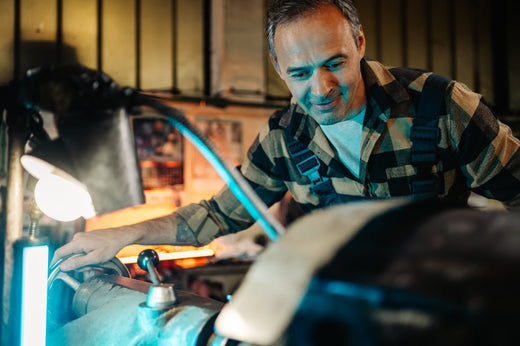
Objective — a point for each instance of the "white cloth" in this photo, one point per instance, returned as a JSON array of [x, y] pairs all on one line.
[[345, 136]]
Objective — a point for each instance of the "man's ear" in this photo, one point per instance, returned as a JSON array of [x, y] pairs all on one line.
[[361, 42]]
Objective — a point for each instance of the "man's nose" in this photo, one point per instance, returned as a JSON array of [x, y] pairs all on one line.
[[322, 83]]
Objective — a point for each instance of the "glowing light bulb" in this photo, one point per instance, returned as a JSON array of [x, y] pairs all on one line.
[[62, 199]]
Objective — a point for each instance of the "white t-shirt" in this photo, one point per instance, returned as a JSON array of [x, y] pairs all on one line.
[[345, 136]]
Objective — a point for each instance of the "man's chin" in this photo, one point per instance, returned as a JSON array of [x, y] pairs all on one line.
[[325, 118]]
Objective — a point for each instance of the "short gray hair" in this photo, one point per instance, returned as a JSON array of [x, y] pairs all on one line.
[[285, 11]]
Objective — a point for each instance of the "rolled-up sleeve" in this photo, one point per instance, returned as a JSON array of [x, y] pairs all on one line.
[[224, 213]]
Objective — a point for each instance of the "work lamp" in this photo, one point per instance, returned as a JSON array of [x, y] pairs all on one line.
[[91, 168], [92, 165]]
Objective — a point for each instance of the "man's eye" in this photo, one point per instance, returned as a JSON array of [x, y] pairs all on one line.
[[335, 65], [299, 75]]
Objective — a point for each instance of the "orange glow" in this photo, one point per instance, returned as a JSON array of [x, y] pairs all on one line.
[[166, 256], [192, 262], [132, 215], [158, 203]]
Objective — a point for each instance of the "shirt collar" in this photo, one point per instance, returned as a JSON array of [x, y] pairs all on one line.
[[383, 90]]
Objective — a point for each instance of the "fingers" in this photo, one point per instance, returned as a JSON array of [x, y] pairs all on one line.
[[76, 246], [94, 247], [91, 247], [76, 262], [64, 251]]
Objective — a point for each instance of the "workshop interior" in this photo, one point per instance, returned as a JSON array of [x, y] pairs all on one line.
[[118, 111]]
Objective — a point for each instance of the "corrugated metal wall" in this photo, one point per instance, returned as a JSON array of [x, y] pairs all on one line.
[[139, 43], [450, 37], [160, 44]]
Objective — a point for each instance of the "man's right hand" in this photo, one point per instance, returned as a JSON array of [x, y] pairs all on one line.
[[96, 247], [101, 245]]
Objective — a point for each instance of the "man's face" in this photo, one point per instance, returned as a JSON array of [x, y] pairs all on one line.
[[319, 61]]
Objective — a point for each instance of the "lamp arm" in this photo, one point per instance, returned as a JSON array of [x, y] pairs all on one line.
[[82, 91], [236, 182]]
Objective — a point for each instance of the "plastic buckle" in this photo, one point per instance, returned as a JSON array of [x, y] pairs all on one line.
[[309, 165], [309, 168], [425, 133]]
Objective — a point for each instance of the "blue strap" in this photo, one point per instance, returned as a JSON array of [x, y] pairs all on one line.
[[306, 161], [425, 135]]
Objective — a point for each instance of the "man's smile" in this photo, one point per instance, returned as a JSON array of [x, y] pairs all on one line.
[[326, 106]]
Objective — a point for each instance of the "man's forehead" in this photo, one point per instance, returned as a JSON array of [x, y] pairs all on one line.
[[314, 38], [322, 10], [329, 17]]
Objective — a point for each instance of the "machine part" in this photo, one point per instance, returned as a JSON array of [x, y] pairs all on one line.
[[110, 309], [35, 214], [384, 273], [61, 287], [160, 296], [111, 313], [264, 305], [112, 266], [99, 290], [68, 280], [148, 261]]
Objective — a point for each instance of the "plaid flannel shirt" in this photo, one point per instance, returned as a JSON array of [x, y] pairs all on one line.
[[477, 152]]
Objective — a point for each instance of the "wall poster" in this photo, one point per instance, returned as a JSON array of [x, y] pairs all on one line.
[[226, 135], [159, 151]]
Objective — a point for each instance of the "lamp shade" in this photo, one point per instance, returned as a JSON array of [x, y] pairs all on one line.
[[57, 193], [97, 153]]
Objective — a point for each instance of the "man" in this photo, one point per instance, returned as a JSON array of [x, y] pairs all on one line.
[[346, 136]]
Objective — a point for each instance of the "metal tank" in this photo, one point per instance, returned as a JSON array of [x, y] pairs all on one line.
[[113, 309], [370, 273]]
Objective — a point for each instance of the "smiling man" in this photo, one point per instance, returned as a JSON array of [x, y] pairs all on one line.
[[354, 130], [322, 72]]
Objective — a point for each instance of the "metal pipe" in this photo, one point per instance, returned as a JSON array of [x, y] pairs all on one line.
[[236, 182], [14, 219], [69, 280]]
